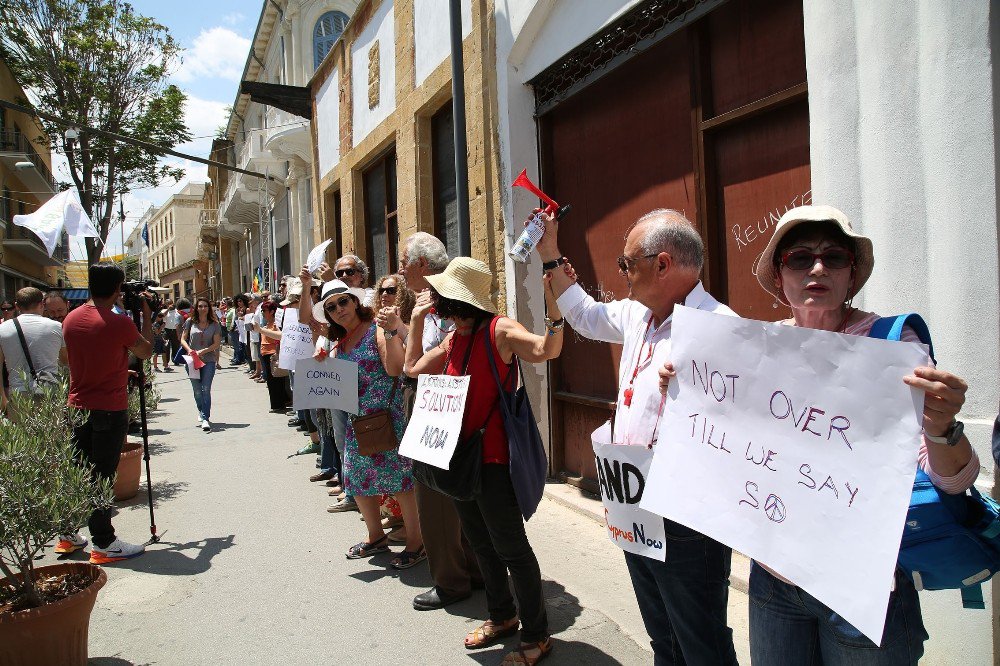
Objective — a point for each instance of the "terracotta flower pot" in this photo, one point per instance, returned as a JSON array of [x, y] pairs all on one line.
[[129, 470], [54, 633]]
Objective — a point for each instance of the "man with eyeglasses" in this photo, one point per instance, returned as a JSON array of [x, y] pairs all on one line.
[[6, 310], [683, 601], [353, 272]]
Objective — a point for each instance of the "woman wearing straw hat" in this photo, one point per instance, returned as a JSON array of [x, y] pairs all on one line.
[[492, 521], [366, 478], [816, 263]]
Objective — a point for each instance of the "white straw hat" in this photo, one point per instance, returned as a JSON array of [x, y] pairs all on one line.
[[331, 289], [467, 280], [864, 255]]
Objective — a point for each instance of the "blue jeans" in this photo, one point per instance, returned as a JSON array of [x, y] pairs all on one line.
[[234, 340], [790, 626], [203, 390], [339, 418], [329, 456], [683, 601]]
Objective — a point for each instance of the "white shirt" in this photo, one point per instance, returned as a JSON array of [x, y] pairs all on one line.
[[645, 350], [44, 339], [172, 319], [435, 331]]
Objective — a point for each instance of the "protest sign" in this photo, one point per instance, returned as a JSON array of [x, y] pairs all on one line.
[[328, 384], [796, 447], [279, 318], [241, 328], [432, 433], [296, 340], [193, 373], [621, 473], [317, 255], [248, 320]]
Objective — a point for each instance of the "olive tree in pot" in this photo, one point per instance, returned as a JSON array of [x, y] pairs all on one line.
[[44, 611]]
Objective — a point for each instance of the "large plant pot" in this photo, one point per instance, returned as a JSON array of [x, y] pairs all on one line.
[[55, 633], [129, 470]]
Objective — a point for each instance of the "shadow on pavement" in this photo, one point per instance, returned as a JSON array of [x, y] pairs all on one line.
[[167, 558], [108, 661], [217, 425], [563, 607], [162, 491], [417, 576], [163, 400]]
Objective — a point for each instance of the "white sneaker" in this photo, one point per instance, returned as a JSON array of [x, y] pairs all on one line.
[[206, 426], [70, 543], [116, 551]]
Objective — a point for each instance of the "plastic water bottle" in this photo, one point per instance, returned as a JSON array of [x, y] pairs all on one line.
[[528, 239]]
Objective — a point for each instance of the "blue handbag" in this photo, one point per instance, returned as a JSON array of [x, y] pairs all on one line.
[[529, 466]]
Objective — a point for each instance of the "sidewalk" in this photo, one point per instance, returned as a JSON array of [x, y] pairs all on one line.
[[251, 567]]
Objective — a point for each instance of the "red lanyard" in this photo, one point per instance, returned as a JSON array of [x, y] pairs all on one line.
[[635, 371]]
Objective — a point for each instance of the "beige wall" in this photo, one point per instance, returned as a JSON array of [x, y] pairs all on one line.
[[408, 129], [175, 231]]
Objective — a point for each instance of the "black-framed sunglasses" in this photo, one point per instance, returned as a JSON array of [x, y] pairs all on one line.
[[346, 272], [625, 263], [6, 308], [834, 258], [387, 290], [339, 303]]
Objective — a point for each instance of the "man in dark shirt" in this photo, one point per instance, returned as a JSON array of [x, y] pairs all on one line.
[[98, 342]]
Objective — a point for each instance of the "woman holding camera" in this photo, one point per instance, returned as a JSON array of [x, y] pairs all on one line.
[[202, 337]]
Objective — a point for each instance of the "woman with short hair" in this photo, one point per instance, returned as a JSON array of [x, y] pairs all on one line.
[[270, 339], [379, 355]]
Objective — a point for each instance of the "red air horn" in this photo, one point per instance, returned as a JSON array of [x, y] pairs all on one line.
[[532, 233]]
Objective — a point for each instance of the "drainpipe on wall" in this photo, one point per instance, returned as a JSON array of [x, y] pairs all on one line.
[[458, 113]]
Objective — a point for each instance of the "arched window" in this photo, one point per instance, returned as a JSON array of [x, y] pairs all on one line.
[[328, 29]]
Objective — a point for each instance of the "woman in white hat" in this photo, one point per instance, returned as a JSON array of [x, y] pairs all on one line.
[[379, 357], [816, 263], [492, 521]]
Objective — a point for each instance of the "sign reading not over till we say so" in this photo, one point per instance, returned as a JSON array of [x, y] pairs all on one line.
[[796, 447], [432, 433], [328, 384]]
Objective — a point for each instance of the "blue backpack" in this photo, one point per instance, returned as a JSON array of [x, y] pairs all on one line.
[[949, 541]]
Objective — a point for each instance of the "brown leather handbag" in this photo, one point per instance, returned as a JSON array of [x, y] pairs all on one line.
[[374, 431]]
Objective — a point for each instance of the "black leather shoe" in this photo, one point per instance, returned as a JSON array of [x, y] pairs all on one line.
[[294, 422], [434, 598]]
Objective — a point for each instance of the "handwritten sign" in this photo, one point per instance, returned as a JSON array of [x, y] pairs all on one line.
[[241, 328], [328, 384], [248, 320], [296, 341], [317, 255], [622, 472], [279, 318], [795, 446], [432, 433]]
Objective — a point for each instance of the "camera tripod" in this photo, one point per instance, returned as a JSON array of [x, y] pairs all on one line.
[[154, 538]]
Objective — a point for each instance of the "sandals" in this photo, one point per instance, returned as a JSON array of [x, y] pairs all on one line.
[[490, 632], [408, 558], [365, 549], [519, 657]]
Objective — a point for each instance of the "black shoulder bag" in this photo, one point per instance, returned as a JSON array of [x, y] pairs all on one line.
[[529, 466], [27, 355], [463, 479]]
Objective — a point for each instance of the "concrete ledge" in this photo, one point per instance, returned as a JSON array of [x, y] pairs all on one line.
[[589, 505]]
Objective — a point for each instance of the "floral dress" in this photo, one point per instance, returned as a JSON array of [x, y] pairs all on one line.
[[384, 473]]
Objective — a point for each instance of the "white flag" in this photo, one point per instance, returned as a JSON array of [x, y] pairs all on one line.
[[62, 210]]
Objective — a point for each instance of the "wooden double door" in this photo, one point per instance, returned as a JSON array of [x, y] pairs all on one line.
[[712, 121]]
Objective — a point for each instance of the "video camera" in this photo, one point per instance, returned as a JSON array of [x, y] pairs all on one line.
[[134, 292]]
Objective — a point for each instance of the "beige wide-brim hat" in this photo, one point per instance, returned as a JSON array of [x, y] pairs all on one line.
[[331, 289], [467, 280], [864, 256]]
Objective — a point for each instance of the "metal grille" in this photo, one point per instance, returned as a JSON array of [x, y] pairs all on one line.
[[631, 34]]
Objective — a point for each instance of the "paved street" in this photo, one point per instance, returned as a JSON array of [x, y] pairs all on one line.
[[251, 567]]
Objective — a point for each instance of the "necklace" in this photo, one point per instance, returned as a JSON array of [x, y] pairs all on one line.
[[638, 360]]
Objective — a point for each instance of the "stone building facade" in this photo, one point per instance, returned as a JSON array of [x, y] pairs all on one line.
[[175, 240]]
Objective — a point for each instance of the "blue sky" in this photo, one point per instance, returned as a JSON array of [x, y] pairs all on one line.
[[216, 37]]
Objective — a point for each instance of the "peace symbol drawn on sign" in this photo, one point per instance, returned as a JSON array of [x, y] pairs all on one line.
[[774, 508]]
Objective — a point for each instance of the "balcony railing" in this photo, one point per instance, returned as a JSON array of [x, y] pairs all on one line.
[[209, 218], [14, 141]]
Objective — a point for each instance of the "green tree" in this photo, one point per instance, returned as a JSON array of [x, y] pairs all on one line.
[[100, 64]]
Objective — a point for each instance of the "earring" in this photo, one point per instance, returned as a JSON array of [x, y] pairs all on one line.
[[775, 304]]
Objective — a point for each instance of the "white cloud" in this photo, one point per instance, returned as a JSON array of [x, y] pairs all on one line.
[[216, 53], [233, 18]]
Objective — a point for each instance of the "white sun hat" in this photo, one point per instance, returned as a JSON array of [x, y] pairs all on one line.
[[467, 280], [331, 289]]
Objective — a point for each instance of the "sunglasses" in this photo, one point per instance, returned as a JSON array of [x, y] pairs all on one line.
[[625, 264], [7, 308], [387, 290], [346, 272], [339, 303], [802, 260]]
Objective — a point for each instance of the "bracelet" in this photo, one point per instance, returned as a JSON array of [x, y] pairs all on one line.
[[554, 325], [555, 263]]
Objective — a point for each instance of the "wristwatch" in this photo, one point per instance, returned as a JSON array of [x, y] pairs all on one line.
[[389, 334], [554, 324], [952, 436]]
